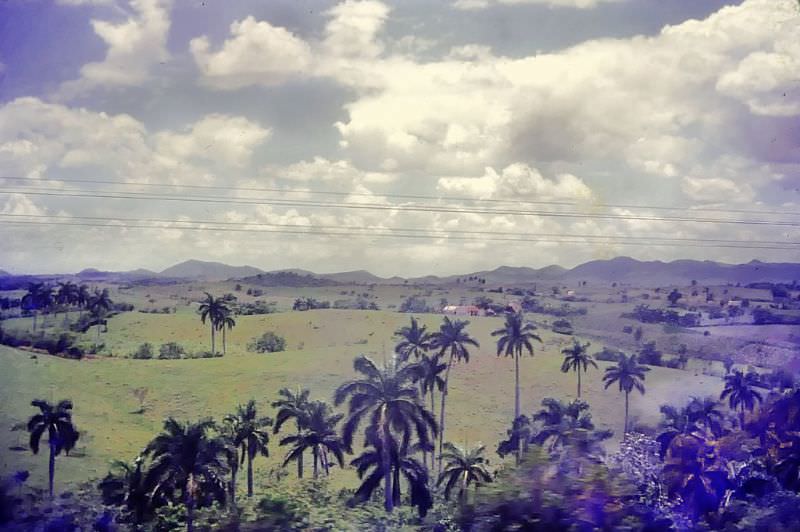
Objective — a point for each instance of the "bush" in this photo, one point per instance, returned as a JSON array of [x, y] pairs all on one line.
[[650, 355], [144, 352], [269, 342], [171, 351], [607, 355], [562, 327]]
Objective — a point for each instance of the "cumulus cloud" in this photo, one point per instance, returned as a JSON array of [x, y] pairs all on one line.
[[340, 173], [517, 181], [134, 47], [39, 138], [257, 53], [483, 4], [229, 140]]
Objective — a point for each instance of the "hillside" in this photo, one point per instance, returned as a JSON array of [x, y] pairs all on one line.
[[210, 271]]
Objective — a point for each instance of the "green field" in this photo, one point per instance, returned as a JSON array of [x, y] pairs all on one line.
[[321, 346]]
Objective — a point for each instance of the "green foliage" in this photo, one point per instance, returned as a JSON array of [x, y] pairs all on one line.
[[171, 351], [269, 342], [143, 352]]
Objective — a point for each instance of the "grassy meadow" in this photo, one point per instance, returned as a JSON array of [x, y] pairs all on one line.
[[321, 345]]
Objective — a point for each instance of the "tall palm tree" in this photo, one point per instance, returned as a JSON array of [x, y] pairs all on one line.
[[740, 390], [212, 309], [430, 381], [400, 465], [99, 305], [37, 297], [292, 406], [249, 436], [414, 340], [575, 358], [319, 436], [452, 341], [630, 375], [226, 321], [67, 293], [391, 402], [515, 336], [188, 460], [463, 467], [61, 432], [82, 297]]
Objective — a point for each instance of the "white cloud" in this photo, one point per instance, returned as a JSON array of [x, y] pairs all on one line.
[[575, 4], [353, 29], [135, 46], [20, 204], [518, 181], [228, 140], [257, 53], [341, 173], [715, 190]]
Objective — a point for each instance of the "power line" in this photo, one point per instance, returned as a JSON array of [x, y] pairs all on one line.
[[433, 233], [349, 234], [400, 196], [394, 207]]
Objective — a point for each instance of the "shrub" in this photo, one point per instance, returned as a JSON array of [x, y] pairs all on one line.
[[269, 342], [650, 355], [562, 327], [171, 351], [144, 352], [607, 355]]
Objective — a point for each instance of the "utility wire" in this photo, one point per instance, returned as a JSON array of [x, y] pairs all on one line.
[[433, 233], [399, 196], [394, 207], [349, 234]]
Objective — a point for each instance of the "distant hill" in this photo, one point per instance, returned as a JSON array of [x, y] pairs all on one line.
[[651, 273], [355, 277], [288, 278], [91, 274], [4, 273], [209, 271]]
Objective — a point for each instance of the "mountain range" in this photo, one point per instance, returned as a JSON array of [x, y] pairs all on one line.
[[620, 269]]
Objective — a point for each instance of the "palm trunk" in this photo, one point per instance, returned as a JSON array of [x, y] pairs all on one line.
[[52, 467], [34, 321], [300, 465], [233, 485], [98, 334], [189, 501], [224, 344], [213, 340], [325, 463], [388, 496], [315, 453], [579, 383], [741, 418], [249, 474], [625, 430], [441, 416], [516, 399], [396, 485], [433, 410]]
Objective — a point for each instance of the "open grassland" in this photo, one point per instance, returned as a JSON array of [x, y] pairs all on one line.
[[321, 346]]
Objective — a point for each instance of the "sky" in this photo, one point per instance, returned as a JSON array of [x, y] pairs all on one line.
[[405, 138]]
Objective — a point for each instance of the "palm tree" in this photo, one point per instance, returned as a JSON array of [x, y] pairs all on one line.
[[61, 432], [391, 403], [82, 297], [740, 390], [212, 309], [452, 340], [37, 297], [519, 435], [294, 406], [249, 436], [675, 422], [693, 471], [414, 340], [630, 375], [576, 357], [99, 305], [319, 435], [125, 485], [188, 460], [226, 321], [463, 468], [67, 293], [430, 380], [705, 413], [515, 336], [400, 465]]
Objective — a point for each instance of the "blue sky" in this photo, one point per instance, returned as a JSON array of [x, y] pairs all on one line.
[[581, 105]]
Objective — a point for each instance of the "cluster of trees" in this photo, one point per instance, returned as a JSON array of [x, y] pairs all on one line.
[[645, 314], [41, 297]]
